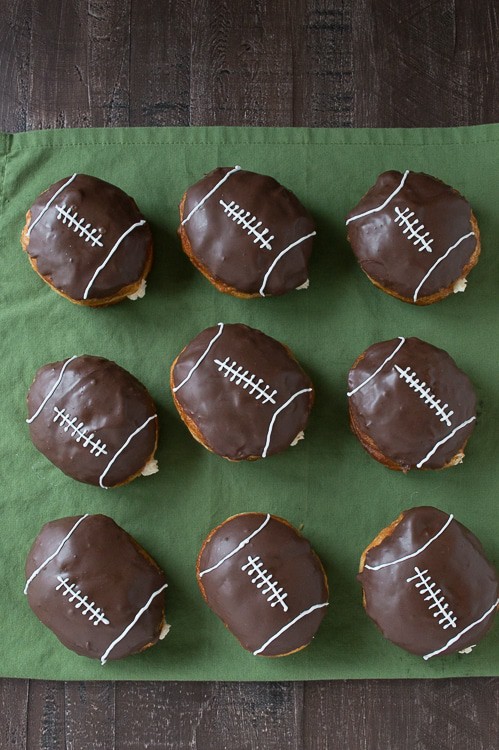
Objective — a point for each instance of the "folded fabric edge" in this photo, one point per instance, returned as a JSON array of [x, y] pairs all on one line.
[[233, 135]]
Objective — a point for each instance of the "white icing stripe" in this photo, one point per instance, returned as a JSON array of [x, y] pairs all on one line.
[[443, 257], [444, 440], [208, 195], [129, 627], [271, 426], [402, 342], [465, 630], [413, 554], [238, 548], [52, 390], [111, 253], [387, 201], [47, 205], [125, 445], [289, 625], [51, 557], [281, 254], [184, 381]]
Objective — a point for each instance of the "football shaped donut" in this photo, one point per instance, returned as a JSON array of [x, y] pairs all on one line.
[[428, 585], [88, 241], [264, 581], [415, 237], [248, 235], [93, 420], [95, 587], [241, 393], [410, 405]]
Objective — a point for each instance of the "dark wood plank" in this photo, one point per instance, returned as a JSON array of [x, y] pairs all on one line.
[[323, 66], [13, 712], [15, 47], [57, 94], [75, 70], [45, 716], [106, 75], [160, 64], [89, 715], [209, 716], [425, 64], [453, 714], [242, 62]]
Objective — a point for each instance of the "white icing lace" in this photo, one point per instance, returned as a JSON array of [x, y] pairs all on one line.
[[427, 586], [95, 615], [70, 217], [79, 432], [434, 403], [247, 380], [411, 229], [263, 579], [248, 222]]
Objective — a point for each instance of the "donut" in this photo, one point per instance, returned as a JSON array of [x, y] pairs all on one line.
[[410, 406], [427, 584], [265, 582], [241, 393], [95, 587], [249, 235], [414, 237], [88, 241], [94, 420]]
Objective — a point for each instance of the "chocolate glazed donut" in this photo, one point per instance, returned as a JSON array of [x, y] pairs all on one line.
[[249, 235], [95, 587], [94, 420], [428, 585], [415, 237], [265, 582], [410, 405], [241, 393], [88, 241]]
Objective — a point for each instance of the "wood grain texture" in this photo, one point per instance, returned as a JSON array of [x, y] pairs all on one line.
[[209, 716], [13, 713], [329, 63], [454, 714], [425, 64], [160, 63], [242, 62]]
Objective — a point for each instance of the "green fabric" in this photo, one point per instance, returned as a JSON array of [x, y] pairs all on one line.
[[327, 485]]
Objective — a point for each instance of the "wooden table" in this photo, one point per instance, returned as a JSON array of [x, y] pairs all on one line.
[[65, 63]]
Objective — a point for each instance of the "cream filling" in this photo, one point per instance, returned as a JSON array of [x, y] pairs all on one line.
[[300, 436], [139, 293], [164, 631], [151, 467], [468, 650], [305, 285], [460, 285]]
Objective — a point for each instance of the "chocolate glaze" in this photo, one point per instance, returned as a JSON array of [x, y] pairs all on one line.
[[110, 402], [290, 567], [69, 260], [388, 251], [456, 564], [404, 426], [106, 565], [232, 417], [230, 253]]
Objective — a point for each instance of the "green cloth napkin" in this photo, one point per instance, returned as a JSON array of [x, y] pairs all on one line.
[[327, 485]]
